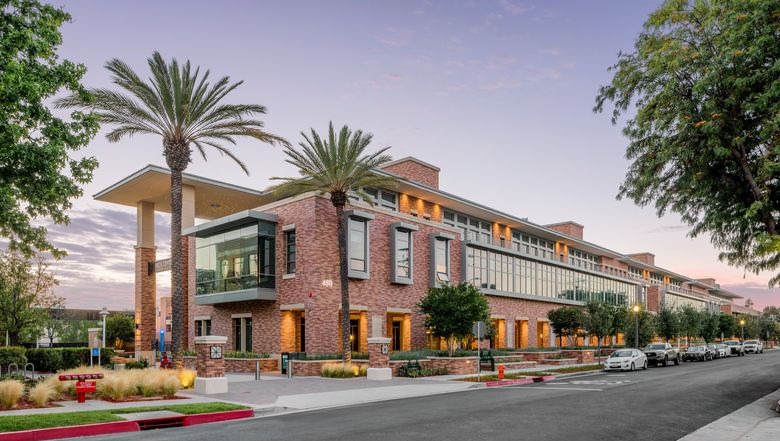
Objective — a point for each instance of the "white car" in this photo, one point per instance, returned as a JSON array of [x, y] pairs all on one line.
[[754, 346], [626, 360]]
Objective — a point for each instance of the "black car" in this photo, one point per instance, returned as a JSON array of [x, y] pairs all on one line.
[[697, 353]]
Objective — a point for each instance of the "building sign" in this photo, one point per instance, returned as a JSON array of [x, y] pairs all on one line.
[[215, 352], [385, 349], [160, 266]]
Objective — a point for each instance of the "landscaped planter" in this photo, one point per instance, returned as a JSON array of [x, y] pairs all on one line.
[[313, 368], [536, 356], [241, 365]]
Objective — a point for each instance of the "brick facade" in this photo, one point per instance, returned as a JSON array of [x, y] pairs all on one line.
[[571, 229], [415, 170], [145, 299]]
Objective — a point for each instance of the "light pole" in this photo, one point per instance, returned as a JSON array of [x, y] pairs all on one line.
[[103, 313], [636, 326], [742, 327]]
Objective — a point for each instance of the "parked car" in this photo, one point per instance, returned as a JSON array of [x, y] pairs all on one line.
[[697, 353], [736, 347], [626, 359], [717, 351], [754, 346], [724, 350], [661, 353]]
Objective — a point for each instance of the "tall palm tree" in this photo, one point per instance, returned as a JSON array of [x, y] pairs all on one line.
[[185, 110], [337, 165]]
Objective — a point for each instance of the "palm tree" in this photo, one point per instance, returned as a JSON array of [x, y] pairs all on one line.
[[185, 110], [337, 166]]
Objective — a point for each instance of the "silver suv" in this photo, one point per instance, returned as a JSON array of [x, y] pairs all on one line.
[[736, 347], [753, 346]]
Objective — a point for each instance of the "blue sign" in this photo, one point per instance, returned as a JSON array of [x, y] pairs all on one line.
[[96, 352], [162, 340]]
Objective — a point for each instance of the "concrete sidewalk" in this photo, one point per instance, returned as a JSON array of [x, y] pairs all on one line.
[[755, 422]]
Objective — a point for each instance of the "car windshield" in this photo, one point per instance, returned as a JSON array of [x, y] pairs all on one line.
[[695, 349], [625, 353], [752, 342], [655, 347], [731, 343]]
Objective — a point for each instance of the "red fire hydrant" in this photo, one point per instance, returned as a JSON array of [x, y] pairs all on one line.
[[500, 371]]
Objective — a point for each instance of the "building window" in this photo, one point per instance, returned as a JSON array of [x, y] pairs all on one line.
[[242, 334], [377, 198], [533, 246], [473, 229], [397, 335], [289, 240], [440, 258], [202, 327], [354, 335], [357, 243], [401, 252], [582, 259]]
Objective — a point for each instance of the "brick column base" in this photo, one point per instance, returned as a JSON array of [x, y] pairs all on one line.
[[210, 365], [379, 359]]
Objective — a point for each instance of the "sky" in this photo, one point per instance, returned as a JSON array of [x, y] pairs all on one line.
[[498, 94]]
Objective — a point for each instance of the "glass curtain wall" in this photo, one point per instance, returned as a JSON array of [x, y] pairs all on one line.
[[513, 274], [237, 259]]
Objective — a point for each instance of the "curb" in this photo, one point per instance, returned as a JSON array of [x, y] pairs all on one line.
[[513, 382], [118, 426]]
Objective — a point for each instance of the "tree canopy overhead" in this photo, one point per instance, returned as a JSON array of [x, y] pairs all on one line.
[[704, 77], [39, 177]]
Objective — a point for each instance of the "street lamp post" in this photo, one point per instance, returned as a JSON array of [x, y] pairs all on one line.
[[636, 326], [103, 313], [742, 327]]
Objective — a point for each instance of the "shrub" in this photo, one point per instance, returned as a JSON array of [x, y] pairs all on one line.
[[12, 354], [427, 372], [246, 355], [140, 364], [412, 355], [187, 378], [41, 394], [340, 370], [115, 387], [47, 360], [10, 392], [190, 353]]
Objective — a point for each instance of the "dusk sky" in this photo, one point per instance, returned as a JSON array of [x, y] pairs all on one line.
[[496, 93]]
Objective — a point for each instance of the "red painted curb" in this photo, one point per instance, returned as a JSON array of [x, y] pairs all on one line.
[[511, 382], [202, 418], [71, 431]]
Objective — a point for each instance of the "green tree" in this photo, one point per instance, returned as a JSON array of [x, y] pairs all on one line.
[[710, 327], [647, 329], [25, 294], [690, 322], [54, 324], [187, 112], [120, 328], [727, 325], [38, 176], [599, 318], [451, 310], [621, 317], [668, 324], [703, 140], [567, 322], [77, 331], [336, 165]]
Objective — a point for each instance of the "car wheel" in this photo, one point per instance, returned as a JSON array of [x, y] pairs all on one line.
[[645, 366], [633, 368], [666, 360], [677, 360]]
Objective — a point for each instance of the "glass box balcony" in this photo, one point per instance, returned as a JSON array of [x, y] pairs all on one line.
[[234, 261]]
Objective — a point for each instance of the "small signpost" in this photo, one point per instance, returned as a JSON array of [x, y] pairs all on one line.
[[479, 331], [94, 352]]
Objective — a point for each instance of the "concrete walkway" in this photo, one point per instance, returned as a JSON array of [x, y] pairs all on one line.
[[755, 422]]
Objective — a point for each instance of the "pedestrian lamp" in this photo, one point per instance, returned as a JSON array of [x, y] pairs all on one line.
[[103, 313], [742, 326], [636, 325]]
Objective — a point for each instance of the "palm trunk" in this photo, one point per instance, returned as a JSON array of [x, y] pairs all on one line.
[[346, 346], [177, 287]]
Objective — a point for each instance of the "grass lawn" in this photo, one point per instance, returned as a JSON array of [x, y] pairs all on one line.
[[42, 421], [563, 370]]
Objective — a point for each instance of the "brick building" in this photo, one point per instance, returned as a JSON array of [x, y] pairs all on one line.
[[263, 271]]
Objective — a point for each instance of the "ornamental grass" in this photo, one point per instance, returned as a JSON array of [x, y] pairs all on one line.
[[341, 370], [42, 393], [10, 393]]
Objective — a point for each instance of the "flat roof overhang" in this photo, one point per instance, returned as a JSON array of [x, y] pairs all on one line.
[[228, 222], [213, 199]]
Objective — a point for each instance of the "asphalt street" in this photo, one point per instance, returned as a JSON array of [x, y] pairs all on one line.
[[661, 403]]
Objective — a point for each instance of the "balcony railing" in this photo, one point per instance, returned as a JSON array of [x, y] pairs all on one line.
[[236, 283]]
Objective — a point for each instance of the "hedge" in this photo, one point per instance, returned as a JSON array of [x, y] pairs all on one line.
[[57, 359], [12, 354]]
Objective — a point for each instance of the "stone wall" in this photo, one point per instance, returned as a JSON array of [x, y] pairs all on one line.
[[241, 365]]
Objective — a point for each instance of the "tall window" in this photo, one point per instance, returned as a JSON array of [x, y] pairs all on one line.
[[242, 334], [473, 229], [402, 252], [202, 327], [357, 243], [533, 246], [289, 240], [440, 255], [397, 341], [582, 259]]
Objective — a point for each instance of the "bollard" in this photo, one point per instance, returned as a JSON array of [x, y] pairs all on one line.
[[500, 371], [289, 369], [257, 369]]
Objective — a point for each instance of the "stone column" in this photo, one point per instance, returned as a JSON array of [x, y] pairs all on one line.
[[145, 282], [210, 365], [378, 352], [94, 341]]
